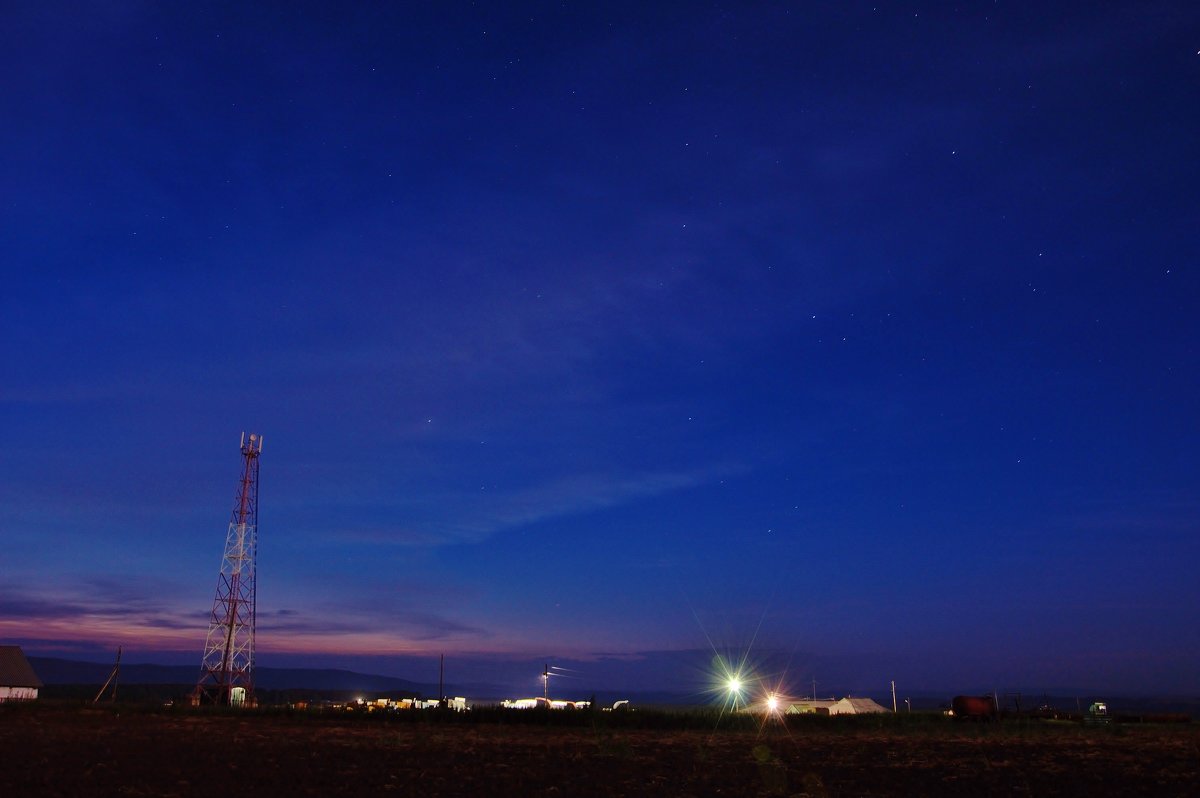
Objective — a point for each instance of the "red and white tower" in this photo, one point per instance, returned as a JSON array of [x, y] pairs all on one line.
[[226, 671]]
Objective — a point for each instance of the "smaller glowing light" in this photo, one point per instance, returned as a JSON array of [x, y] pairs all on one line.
[[773, 703]]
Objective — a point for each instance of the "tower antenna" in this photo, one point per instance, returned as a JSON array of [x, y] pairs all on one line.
[[227, 667]]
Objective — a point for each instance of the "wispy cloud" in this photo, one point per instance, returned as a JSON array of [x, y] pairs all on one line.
[[473, 518], [401, 624], [14, 606], [99, 613]]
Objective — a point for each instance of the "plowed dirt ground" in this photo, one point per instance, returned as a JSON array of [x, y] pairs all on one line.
[[86, 752]]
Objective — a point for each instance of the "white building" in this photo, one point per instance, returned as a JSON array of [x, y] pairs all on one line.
[[18, 682], [810, 706], [549, 703], [846, 706], [856, 706]]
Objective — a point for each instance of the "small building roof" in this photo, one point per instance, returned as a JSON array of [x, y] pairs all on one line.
[[858, 706], [15, 670]]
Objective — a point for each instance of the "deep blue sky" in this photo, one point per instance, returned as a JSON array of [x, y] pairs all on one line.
[[867, 333]]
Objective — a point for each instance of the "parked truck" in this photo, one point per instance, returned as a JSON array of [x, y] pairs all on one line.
[[1097, 714], [974, 707]]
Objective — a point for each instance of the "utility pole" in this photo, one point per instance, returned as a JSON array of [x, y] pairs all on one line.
[[893, 696], [113, 677], [226, 669], [442, 680]]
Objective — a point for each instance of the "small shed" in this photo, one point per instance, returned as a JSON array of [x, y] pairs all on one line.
[[18, 682]]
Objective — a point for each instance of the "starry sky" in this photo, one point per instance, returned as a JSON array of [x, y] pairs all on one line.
[[859, 335]]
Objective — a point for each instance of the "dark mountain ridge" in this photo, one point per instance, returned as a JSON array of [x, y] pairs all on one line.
[[52, 670], [336, 683]]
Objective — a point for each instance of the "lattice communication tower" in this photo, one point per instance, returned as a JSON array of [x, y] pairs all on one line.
[[227, 669]]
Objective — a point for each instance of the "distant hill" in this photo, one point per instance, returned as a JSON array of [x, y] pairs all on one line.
[[62, 672], [52, 670], [66, 677]]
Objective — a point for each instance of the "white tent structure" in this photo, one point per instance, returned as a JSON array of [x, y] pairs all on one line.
[[856, 706], [810, 706], [845, 706]]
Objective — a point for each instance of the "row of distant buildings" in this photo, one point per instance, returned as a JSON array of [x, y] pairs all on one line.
[[18, 682], [805, 706], [547, 703], [457, 703]]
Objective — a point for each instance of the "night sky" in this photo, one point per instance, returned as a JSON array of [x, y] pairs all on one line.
[[864, 336]]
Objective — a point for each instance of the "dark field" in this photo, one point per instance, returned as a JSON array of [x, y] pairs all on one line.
[[47, 750]]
